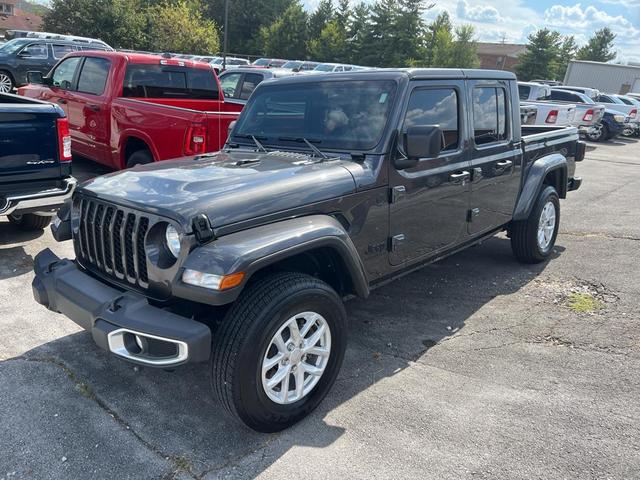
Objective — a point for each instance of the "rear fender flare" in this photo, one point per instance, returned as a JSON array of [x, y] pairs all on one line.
[[127, 135], [535, 180], [252, 250]]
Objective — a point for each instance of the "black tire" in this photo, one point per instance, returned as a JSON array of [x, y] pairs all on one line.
[[139, 157], [524, 233], [30, 221], [604, 134], [241, 341], [7, 83]]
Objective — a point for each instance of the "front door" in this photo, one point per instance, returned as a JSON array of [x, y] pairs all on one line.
[[429, 202], [63, 80], [496, 159]]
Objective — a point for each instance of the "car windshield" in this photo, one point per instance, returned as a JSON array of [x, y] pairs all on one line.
[[292, 65], [342, 115], [262, 62], [12, 46], [325, 67]]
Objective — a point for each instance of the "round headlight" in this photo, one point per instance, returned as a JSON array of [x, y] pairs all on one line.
[[172, 238]]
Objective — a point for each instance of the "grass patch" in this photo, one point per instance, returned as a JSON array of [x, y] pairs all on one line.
[[581, 302]]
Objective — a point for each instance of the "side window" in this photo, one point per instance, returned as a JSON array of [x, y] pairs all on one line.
[[251, 81], [93, 76], [435, 107], [606, 99], [524, 91], [229, 84], [35, 50], [64, 73], [60, 51], [560, 95], [489, 115]]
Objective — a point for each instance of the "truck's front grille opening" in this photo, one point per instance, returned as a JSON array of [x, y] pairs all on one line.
[[112, 240]]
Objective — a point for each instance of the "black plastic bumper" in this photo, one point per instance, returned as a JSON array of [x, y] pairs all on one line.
[[62, 287], [574, 184]]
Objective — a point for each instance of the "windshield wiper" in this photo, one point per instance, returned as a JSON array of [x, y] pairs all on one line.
[[313, 148], [255, 140]]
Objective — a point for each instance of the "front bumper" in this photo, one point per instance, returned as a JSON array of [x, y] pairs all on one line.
[[123, 323], [44, 202]]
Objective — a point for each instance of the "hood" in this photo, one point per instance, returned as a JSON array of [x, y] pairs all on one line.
[[227, 187]]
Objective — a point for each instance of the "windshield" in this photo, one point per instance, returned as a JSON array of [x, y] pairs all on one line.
[[262, 62], [292, 65], [325, 67], [12, 46], [345, 115]]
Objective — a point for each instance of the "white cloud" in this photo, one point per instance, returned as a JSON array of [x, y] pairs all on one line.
[[589, 19], [479, 13]]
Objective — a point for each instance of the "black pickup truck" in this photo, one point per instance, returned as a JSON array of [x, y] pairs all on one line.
[[328, 186], [35, 161]]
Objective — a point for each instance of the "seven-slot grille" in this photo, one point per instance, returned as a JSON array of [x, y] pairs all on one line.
[[111, 240]]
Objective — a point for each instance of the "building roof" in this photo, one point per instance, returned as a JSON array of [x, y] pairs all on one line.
[[501, 49], [603, 64], [20, 20]]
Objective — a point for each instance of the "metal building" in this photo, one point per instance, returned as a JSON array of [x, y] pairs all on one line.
[[606, 77]]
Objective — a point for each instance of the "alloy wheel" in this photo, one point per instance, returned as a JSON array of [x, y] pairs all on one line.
[[546, 226], [6, 85]]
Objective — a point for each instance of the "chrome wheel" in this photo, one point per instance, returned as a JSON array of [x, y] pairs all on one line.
[[6, 85], [296, 358], [595, 132], [546, 226]]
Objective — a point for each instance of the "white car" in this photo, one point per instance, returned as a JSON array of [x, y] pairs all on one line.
[[549, 113]]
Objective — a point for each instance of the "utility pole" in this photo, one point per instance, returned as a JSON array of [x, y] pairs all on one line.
[[226, 29]]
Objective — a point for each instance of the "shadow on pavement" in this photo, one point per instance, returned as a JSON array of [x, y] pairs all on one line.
[[173, 413]]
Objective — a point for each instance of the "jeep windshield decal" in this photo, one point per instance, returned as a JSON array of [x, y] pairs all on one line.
[[349, 115]]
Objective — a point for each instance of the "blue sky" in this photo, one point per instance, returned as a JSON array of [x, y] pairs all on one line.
[[513, 20]]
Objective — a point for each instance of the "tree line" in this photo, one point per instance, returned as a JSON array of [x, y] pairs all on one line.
[[385, 33]]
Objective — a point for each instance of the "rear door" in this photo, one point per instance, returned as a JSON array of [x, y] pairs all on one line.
[[496, 157], [429, 202]]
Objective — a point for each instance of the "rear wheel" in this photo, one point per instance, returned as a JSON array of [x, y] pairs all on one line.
[[598, 133], [6, 82], [140, 157], [532, 240], [30, 221], [279, 350]]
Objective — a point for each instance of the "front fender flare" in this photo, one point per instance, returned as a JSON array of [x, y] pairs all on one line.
[[534, 181], [251, 250]]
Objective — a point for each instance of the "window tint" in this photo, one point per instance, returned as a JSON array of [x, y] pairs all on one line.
[[524, 91], [489, 115], [435, 107], [63, 74], [164, 81], [35, 50], [229, 84], [93, 76], [251, 81], [564, 96], [606, 99], [60, 51]]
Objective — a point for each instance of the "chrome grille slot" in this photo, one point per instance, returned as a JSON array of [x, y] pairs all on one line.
[[111, 240]]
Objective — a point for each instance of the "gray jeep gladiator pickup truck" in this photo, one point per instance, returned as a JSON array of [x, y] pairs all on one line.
[[327, 187]]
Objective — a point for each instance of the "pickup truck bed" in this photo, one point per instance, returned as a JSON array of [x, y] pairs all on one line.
[[35, 176]]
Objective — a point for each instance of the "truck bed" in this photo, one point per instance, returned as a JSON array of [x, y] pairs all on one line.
[[543, 140]]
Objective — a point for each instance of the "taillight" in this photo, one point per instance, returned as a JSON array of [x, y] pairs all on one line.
[[64, 140], [633, 113], [196, 141], [552, 117], [588, 116]]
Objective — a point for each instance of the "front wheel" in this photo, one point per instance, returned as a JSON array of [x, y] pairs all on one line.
[[6, 82], [30, 221], [279, 350], [532, 240]]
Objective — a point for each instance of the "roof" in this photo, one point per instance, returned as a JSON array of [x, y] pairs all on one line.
[[20, 20], [144, 58], [603, 64], [501, 49]]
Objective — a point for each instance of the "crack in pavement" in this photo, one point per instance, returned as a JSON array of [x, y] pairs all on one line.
[[599, 234]]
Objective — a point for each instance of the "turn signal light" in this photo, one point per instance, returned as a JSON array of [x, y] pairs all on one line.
[[196, 141], [552, 117], [588, 116], [633, 113], [64, 140], [212, 281]]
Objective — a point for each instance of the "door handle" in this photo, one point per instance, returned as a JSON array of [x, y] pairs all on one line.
[[459, 177], [505, 164], [93, 107], [62, 101]]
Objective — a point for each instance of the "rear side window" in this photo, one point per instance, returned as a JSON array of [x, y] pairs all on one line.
[[60, 51], [435, 107], [164, 81], [93, 76], [489, 115], [36, 50], [251, 81], [564, 96], [524, 91]]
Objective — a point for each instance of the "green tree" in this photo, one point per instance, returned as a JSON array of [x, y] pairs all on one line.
[[246, 19], [320, 17], [439, 41], [541, 58], [359, 33], [599, 48], [410, 29], [379, 50], [120, 23], [331, 45], [287, 37], [343, 14], [464, 49], [179, 26], [566, 53]]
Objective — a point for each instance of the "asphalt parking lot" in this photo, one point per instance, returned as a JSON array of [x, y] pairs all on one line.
[[474, 367]]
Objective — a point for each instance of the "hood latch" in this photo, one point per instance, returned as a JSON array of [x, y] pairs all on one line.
[[202, 228]]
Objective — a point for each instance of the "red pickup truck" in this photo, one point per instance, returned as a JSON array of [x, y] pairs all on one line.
[[126, 109]]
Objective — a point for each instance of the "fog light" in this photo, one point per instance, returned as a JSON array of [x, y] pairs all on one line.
[[212, 281]]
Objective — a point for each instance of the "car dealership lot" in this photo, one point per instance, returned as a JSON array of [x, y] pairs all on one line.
[[475, 367]]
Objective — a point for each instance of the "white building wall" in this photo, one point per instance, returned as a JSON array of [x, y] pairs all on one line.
[[606, 77]]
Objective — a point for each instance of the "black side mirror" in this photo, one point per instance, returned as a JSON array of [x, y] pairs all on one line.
[[35, 77], [420, 141]]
